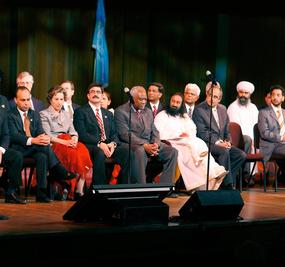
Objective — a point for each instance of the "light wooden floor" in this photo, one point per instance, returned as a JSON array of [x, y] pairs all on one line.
[[44, 218]]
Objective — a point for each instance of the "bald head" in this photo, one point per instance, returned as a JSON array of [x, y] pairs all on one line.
[[139, 96]]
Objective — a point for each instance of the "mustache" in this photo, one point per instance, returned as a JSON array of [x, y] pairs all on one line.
[[95, 96]]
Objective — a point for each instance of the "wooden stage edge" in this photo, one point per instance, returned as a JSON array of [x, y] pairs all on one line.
[[37, 230]]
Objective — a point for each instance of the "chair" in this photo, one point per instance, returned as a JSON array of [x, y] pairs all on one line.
[[237, 141], [27, 163], [31, 164], [272, 159]]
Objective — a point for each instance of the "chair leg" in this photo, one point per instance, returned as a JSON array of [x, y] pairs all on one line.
[[264, 176], [240, 179], [276, 171], [28, 186]]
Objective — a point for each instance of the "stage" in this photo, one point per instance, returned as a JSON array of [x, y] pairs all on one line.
[[36, 234]]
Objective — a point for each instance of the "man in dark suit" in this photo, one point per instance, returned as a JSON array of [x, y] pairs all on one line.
[[227, 155], [68, 104], [154, 95], [28, 137], [272, 129], [145, 141], [4, 103], [96, 129], [12, 161], [27, 80]]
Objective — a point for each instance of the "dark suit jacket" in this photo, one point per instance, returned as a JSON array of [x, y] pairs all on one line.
[[201, 117], [4, 131], [85, 123], [38, 104], [143, 130], [4, 103], [269, 129], [160, 106], [17, 133]]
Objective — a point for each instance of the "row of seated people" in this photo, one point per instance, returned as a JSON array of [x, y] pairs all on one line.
[[229, 157], [96, 129]]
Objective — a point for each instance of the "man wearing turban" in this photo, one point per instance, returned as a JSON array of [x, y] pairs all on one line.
[[245, 113]]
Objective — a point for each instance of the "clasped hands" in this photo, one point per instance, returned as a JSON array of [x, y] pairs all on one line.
[[224, 143], [108, 149], [151, 149], [41, 140]]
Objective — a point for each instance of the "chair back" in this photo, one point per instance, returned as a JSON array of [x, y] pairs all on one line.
[[236, 135], [256, 136]]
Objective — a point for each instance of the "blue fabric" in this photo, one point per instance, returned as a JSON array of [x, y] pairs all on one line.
[[101, 62]]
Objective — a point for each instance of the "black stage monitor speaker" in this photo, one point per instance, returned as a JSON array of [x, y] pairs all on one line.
[[123, 204], [212, 205]]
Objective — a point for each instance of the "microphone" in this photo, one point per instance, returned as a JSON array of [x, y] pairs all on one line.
[[211, 77], [127, 91]]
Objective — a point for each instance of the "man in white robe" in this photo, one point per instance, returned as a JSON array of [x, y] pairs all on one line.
[[176, 127], [245, 113]]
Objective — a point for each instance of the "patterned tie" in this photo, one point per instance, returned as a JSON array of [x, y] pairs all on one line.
[[27, 125], [101, 125], [190, 112], [154, 111], [215, 114], [281, 122]]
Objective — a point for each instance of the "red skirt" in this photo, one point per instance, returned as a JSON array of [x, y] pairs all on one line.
[[76, 159]]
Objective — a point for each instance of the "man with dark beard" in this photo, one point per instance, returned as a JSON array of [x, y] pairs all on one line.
[[175, 126], [245, 113]]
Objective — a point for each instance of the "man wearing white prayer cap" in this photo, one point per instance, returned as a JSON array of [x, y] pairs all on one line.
[[245, 113], [191, 96]]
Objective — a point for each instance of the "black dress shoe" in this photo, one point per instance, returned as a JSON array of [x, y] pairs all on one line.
[[227, 187], [14, 199], [2, 217], [59, 172], [43, 199], [77, 196]]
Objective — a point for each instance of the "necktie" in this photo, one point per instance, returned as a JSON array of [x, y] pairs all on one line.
[[154, 111], [69, 109], [281, 122], [190, 112], [101, 125], [27, 125], [215, 114]]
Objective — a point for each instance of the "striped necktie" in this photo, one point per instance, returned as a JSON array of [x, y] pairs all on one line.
[[101, 125], [154, 111], [190, 112]]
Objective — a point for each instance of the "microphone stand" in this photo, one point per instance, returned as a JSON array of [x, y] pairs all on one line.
[[130, 138], [210, 135]]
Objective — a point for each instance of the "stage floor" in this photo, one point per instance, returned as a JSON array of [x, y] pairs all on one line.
[[47, 218], [36, 235]]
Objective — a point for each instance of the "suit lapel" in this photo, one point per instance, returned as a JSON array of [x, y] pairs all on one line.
[[273, 114]]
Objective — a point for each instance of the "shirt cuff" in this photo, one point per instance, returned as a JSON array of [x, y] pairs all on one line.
[[29, 141], [2, 149]]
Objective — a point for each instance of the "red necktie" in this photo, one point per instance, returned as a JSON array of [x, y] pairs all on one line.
[[154, 111], [101, 125]]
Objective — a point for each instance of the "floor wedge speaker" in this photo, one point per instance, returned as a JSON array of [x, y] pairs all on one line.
[[122, 204], [212, 206]]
